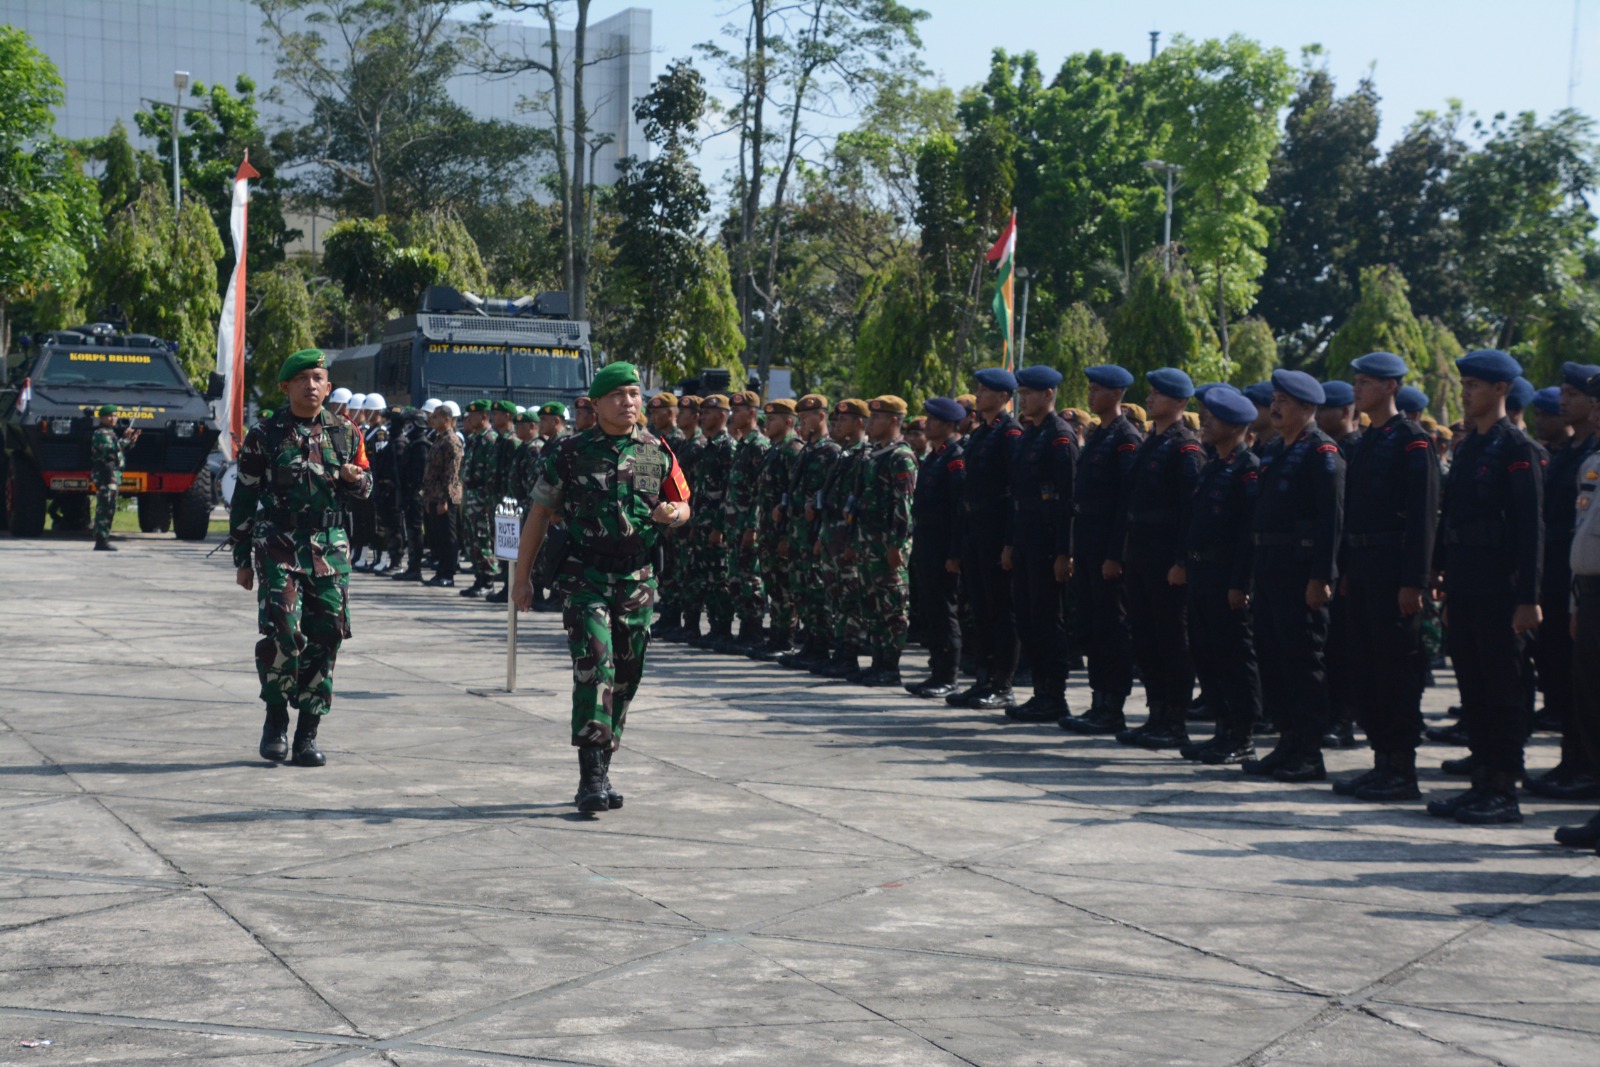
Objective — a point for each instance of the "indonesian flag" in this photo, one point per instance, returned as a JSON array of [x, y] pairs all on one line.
[[230, 328], [1003, 253], [25, 397]]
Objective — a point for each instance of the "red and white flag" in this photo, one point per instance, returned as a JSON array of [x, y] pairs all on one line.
[[230, 328], [25, 397]]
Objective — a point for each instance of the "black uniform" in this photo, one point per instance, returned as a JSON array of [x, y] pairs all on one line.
[[1296, 533], [1391, 513], [1343, 665], [935, 508], [1166, 469], [985, 517], [1218, 556], [1553, 650], [413, 464], [1042, 478], [1100, 608]]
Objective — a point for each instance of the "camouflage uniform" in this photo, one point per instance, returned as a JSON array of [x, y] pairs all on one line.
[[603, 490], [841, 581], [107, 456], [480, 486], [679, 597], [744, 587], [711, 562], [807, 580], [301, 551], [885, 480], [772, 491], [525, 471]]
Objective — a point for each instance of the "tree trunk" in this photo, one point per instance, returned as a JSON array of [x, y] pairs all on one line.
[[754, 133], [1222, 316], [579, 188], [966, 323], [563, 179]]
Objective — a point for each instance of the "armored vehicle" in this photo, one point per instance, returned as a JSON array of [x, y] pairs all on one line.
[[47, 417]]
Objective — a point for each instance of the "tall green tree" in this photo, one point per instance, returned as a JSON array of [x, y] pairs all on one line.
[[442, 233], [1440, 378], [1165, 322], [1255, 352], [376, 271], [895, 353], [281, 323], [1077, 341], [1381, 321]]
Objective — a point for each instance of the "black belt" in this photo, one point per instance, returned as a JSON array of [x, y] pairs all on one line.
[[611, 564], [326, 519], [1374, 540], [1280, 540], [1206, 556]]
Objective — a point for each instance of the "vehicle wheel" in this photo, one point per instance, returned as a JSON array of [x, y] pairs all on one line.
[[155, 512], [72, 513], [25, 499], [191, 517]]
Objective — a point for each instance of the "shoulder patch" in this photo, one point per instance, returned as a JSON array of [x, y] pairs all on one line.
[[1190, 447], [1131, 446], [1519, 465], [1417, 445], [1327, 449], [1015, 431]]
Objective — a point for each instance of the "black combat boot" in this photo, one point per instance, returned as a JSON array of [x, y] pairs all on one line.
[[444, 581], [1305, 765], [1446, 807], [412, 573], [480, 585], [1341, 734], [752, 638], [613, 798], [844, 663], [1166, 727], [1048, 703], [306, 752], [1268, 765], [1464, 767], [715, 632], [499, 596], [1586, 835], [1567, 780], [998, 698], [666, 625], [810, 654], [941, 676], [1396, 779], [591, 796], [1104, 719], [1227, 748], [1346, 787], [102, 545], [979, 689], [275, 735], [1495, 803], [690, 628], [1451, 734], [885, 671], [777, 643]]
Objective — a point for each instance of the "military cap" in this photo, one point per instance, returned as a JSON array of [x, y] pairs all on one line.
[[527, 415], [1110, 376], [504, 405], [1300, 386], [1137, 413], [748, 398], [1428, 422], [662, 400], [555, 407], [1259, 394], [1444, 432], [892, 405], [996, 378], [1547, 401], [584, 403], [267, 413], [918, 423], [714, 402], [1592, 387], [1380, 365], [612, 376], [812, 402], [302, 360], [479, 405], [1077, 415], [1577, 375], [851, 406], [1489, 365], [1338, 394], [1200, 391], [781, 406], [690, 401], [1170, 381], [1521, 394], [968, 401], [942, 407], [1038, 376], [1229, 405], [106, 409], [1411, 400]]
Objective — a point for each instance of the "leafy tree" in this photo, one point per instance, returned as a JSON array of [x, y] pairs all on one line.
[[1440, 378], [124, 171], [280, 324], [49, 210], [162, 272], [1380, 321], [377, 272], [708, 317], [1254, 355], [1569, 331], [1076, 342], [1164, 322], [442, 232], [894, 347], [1219, 101]]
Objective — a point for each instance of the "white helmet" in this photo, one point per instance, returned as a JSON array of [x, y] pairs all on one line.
[[373, 402], [429, 404], [356, 400], [340, 395], [521, 410], [453, 408]]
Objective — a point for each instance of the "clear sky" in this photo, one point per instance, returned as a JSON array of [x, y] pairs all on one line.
[[1510, 55]]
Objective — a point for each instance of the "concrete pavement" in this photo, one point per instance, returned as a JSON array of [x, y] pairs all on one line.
[[805, 872]]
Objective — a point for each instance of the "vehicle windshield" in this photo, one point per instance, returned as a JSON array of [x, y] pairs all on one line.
[[466, 368], [90, 367], [560, 369]]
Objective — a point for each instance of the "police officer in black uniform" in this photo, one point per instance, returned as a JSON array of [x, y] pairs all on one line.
[[1099, 599], [1391, 512], [1337, 418], [985, 516], [1488, 554], [1296, 532], [935, 555], [1038, 550], [413, 464], [1165, 471]]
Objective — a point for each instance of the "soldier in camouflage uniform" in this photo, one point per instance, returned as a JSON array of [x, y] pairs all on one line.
[[802, 521], [525, 460], [480, 485], [615, 487], [502, 427], [772, 491], [880, 524], [661, 412], [288, 518], [841, 577], [108, 452], [680, 614], [744, 589], [711, 555], [583, 414]]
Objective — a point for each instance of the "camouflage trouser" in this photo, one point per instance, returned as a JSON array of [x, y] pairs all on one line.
[[712, 563], [676, 592], [841, 591], [607, 619], [885, 596], [809, 594], [105, 508], [775, 573], [744, 587], [477, 534], [304, 617]]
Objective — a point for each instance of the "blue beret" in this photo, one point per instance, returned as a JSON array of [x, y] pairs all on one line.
[[1259, 394], [997, 378], [1038, 377], [1338, 394], [1489, 365], [1300, 385], [1411, 400], [1548, 401], [1577, 375], [1200, 391], [1170, 381], [942, 407], [1380, 365], [1521, 394], [1229, 405], [1110, 376]]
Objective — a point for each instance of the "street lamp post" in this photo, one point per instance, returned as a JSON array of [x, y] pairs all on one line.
[[1171, 169], [180, 82], [1022, 327]]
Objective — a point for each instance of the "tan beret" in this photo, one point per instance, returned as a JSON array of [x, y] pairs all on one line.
[[748, 399], [893, 405], [714, 402], [583, 403], [663, 400], [918, 423], [690, 401], [784, 406], [851, 406], [812, 402], [968, 401]]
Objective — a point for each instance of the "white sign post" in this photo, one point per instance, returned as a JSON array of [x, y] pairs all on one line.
[[507, 536]]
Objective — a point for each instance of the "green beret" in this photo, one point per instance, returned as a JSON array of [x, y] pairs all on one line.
[[504, 405], [527, 416], [479, 405], [304, 359], [555, 407], [612, 376], [106, 409]]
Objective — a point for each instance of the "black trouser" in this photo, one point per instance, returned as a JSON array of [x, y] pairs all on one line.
[[1387, 662], [1491, 672], [1291, 639], [1041, 609], [441, 532], [934, 599], [411, 514], [1160, 631], [1552, 650], [988, 588], [1586, 670], [1100, 622], [1343, 664], [1224, 650]]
